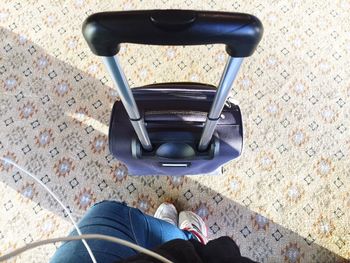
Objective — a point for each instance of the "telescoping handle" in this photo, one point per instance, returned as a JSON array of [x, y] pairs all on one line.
[[104, 32]]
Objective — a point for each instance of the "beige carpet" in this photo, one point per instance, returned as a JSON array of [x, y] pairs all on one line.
[[287, 199]]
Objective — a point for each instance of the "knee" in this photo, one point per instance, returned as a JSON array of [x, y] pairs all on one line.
[[106, 207], [109, 203]]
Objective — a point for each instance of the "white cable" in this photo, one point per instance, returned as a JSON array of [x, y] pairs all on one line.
[[83, 237], [57, 199]]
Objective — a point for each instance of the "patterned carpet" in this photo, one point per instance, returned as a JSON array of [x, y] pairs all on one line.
[[286, 199]]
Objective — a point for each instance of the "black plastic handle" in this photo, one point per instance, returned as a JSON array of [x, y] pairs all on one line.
[[104, 32]]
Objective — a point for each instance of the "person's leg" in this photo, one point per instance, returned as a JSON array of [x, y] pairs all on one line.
[[188, 221], [118, 220], [155, 231]]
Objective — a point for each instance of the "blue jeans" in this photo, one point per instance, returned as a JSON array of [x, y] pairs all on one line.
[[117, 220]]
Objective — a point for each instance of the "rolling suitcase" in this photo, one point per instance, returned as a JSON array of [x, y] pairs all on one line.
[[174, 128]]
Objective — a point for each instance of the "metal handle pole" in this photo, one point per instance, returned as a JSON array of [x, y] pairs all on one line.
[[227, 78], [127, 98]]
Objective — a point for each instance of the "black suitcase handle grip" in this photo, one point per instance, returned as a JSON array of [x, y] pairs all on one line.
[[104, 32]]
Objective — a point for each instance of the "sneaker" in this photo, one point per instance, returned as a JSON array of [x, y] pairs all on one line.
[[168, 213], [193, 223]]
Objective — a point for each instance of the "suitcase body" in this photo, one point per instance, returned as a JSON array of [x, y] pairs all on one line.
[[174, 128], [174, 116]]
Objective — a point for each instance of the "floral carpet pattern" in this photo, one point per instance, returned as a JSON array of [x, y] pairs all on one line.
[[286, 199]]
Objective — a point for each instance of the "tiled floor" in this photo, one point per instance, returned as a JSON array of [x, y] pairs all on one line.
[[286, 199]]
